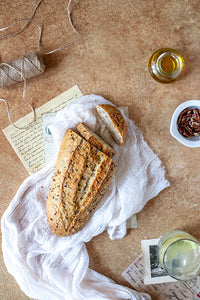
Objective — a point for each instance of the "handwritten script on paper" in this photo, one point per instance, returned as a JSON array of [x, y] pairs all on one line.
[[28, 143]]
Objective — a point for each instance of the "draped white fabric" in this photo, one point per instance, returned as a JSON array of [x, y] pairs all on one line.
[[50, 267]]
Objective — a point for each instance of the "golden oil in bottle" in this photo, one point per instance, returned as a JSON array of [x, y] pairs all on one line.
[[165, 65]]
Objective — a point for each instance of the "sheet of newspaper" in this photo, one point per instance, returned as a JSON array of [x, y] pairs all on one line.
[[28, 143], [140, 271]]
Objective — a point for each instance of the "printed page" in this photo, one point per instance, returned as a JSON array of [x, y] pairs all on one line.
[[28, 143], [135, 276], [153, 271], [137, 271]]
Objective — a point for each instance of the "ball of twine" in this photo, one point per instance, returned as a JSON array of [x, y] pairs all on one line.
[[26, 66], [29, 65]]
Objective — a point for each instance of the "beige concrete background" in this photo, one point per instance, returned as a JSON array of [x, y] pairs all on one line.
[[114, 43]]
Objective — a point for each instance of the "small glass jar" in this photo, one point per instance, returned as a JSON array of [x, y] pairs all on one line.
[[179, 255], [165, 65]]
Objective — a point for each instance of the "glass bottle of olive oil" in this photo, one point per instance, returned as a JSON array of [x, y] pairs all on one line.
[[165, 65]]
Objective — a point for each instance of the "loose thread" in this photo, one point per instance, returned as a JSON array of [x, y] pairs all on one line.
[[23, 68], [73, 28], [19, 21], [24, 98], [27, 60]]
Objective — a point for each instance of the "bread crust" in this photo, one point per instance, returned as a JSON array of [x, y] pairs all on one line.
[[80, 177], [88, 209], [117, 120], [94, 140]]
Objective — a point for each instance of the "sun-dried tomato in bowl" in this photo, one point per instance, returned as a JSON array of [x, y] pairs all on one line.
[[189, 122]]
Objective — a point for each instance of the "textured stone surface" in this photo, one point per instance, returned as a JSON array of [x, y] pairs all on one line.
[[114, 43]]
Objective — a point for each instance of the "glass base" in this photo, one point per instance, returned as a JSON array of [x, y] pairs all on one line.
[[165, 65]]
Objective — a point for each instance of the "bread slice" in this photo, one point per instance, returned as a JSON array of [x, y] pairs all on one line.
[[80, 178], [95, 140], [114, 121]]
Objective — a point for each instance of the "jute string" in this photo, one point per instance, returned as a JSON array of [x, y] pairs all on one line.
[[29, 65]]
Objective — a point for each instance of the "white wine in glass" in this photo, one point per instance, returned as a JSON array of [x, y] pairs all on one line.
[[179, 254]]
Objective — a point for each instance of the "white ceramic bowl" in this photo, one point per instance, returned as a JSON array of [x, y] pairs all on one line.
[[187, 141]]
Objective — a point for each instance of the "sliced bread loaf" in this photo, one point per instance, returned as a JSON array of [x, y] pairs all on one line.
[[114, 121], [95, 140], [80, 178]]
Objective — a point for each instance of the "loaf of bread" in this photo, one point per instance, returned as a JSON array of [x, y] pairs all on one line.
[[114, 121], [80, 178], [95, 140]]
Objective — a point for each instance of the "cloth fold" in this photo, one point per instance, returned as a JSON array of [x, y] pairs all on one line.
[[46, 266]]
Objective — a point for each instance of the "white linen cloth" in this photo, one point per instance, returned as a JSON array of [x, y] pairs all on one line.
[[50, 267]]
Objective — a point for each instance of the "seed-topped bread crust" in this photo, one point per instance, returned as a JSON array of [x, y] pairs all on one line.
[[114, 121], [95, 140], [80, 178]]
